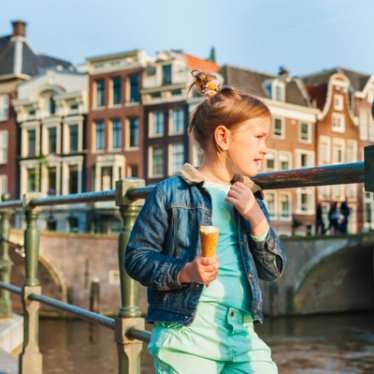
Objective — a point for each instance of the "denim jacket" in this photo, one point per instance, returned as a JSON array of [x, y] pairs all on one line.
[[165, 237]]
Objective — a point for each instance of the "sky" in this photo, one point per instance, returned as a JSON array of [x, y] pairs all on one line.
[[305, 36]]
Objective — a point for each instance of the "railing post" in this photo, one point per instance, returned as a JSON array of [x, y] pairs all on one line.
[[129, 316], [5, 264], [30, 360], [369, 167]]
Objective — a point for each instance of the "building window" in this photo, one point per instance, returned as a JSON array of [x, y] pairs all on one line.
[[3, 184], [285, 160], [52, 105], [52, 140], [116, 90], [338, 102], [177, 121], [285, 206], [176, 157], [32, 184], [4, 107], [270, 161], [73, 223], [3, 146], [338, 123], [156, 127], [52, 181], [304, 159], [305, 133], [134, 88], [99, 135], [324, 150], [116, 133], [338, 151], [31, 142], [133, 132], [278, 128], [271, 204], [305, 201], [166, 74], [73, 136], [106, 177], [156, 158], [278, 91], [73, 179], [351, 151], [100, 92], [133, 171]]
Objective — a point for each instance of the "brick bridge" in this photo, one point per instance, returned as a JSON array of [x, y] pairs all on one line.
[[324, 274]]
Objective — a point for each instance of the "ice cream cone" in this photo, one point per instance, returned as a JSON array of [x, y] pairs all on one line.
[[209, 238]]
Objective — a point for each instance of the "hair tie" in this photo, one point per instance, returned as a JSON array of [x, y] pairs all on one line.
[[207, 83]]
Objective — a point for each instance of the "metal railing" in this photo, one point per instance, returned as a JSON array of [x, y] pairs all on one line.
[[128, 325]]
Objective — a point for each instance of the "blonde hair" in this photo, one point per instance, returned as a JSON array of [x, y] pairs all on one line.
[[228, 106]]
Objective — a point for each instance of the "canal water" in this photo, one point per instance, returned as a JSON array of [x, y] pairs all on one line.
[[342, 344]]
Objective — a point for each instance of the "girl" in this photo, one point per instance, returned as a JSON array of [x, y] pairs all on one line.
[[204, 308]]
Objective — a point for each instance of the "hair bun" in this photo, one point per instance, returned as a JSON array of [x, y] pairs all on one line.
[[207, 84]]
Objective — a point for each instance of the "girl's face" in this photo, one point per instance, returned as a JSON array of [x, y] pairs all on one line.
[[246, 147]]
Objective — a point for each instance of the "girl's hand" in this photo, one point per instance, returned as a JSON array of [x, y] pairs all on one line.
[[201, 270], [242, 198], [245, 202]]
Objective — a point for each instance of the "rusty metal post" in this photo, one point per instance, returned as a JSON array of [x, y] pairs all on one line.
[[129, 316]]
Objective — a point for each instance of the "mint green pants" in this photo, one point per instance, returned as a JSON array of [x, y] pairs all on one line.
[[219, 340]]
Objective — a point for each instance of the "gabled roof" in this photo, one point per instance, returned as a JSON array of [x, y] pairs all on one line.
[[194, 62], [17, 57], [358, 80], [253, 82]]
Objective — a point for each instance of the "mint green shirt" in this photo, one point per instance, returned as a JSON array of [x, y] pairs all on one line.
[[231, 287]]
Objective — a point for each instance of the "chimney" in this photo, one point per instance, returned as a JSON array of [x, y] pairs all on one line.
[[19, 28]]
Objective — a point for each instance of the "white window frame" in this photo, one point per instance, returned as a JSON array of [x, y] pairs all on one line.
[[4, 107], [309, 138], [274, 214], [4, 146], [311, 202], [351, 150], [282, 155], [289, 196], [171, 157], [336, 144], [338, 102], [282, 86], [3, 184], [310, 156], [171, 121], [271, 155], [335, 118], [152, 124], [151, 174], [283, 128], [327, 141]]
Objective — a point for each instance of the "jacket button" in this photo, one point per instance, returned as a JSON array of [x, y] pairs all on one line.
[[250, 275]]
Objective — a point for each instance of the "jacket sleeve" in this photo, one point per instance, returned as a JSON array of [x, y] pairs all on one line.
[[144, 260], [269, 254]]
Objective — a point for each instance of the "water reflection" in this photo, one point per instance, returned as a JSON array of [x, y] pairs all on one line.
[[341, 344]]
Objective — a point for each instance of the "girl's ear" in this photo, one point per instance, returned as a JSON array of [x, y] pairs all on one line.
[[222, 137]]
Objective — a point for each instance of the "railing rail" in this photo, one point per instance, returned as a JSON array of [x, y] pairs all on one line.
[[128, 196]]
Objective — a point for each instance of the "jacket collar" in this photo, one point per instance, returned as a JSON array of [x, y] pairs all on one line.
[[192, 175]]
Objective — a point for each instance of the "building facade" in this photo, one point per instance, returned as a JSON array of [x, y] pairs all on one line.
[[167, 108], [115, 129], [51, 115]]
